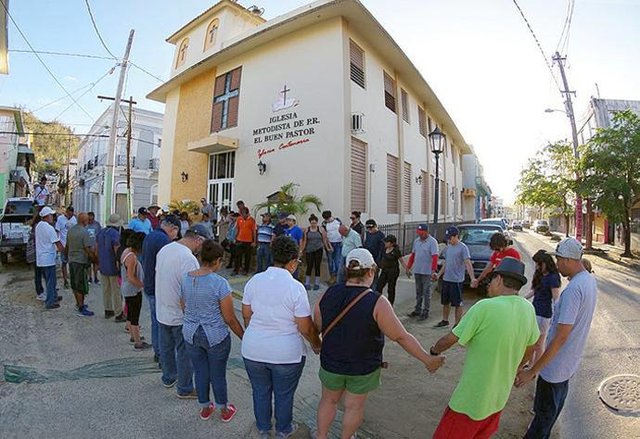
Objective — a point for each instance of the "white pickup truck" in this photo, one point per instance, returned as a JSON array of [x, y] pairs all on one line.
[[14, 227]]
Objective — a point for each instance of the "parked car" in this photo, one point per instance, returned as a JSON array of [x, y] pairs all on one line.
[[540, 226], [526, 224], [14, 227], [477, 238], [500, 222], [517, 225]]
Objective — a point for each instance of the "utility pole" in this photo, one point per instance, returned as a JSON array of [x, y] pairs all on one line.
[[574, 134], [113, 132], [131, 103]]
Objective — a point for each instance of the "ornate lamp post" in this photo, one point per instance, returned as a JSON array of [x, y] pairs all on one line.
[[437, 139]]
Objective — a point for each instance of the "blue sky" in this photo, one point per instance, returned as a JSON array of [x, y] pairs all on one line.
[[477, 55]]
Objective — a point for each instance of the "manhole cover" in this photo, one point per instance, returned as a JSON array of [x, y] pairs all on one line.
[[621, 393]]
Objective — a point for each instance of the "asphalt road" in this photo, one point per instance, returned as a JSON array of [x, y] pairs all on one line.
[[613, 347]]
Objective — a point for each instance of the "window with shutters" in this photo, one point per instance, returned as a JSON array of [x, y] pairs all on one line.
[[358, 175], [357, 64], [182, 52], [405, 105], [406, 183], [212, 33], [226, 97], [424, 193], [422, 122], [392, 183], [389, 92]]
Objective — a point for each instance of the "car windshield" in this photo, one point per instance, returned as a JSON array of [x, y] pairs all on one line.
[[476, 235], [19, 207], [494, 222]]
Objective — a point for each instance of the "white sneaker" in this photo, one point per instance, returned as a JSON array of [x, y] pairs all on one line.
[[41, 297]]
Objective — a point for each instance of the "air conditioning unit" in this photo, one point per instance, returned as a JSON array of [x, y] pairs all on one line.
[[357, 123]]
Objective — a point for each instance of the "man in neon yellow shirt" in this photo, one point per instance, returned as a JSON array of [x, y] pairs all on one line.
[[499, 334]]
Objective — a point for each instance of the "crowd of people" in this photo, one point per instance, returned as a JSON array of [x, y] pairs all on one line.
[[175, 264]]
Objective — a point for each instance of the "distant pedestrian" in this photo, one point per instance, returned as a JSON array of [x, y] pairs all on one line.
[[282, 226], [545, 290], [293, 231], [93, 227], [222, 225], [456, 260], [173, 261], [232, 233], [47, 243], [277, 317], [373, 240], [245, 241], [498, 334], [211, 211], [566, 341], [185, 223], [80, 254], [334, 254], [108, 241], [63, 224], [208, 316], [132, 284], [264, 237], [350, 241], [500, 246], [352, 344], [314, 241], [424, 263], [152, 216], [141, 223], [41, 193], [390, 267], [356, 224]]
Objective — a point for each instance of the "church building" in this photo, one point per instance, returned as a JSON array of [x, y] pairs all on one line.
[[322, 97]]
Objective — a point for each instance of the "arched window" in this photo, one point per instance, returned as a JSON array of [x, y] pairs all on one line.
[[182, 52], [212, 33]]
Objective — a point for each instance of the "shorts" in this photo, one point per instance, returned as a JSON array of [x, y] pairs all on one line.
[[455, 425], [543, 324], [451, 293], [134, 304], [356, 384], [79, 275]]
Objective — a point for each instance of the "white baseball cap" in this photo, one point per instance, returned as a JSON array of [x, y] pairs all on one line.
[[46, 210], [362, 256], [292, 217], [569, 248]]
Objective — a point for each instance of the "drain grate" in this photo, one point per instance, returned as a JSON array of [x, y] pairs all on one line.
[[621, 393]]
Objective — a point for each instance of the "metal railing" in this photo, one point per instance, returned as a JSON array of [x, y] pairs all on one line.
[[407, 233]]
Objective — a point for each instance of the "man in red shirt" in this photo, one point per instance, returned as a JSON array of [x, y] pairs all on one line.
[[501, 250], [245, 240]]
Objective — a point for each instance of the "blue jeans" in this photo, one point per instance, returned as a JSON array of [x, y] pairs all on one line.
[[263, 257], [423, 293], [210, 368], [548, 404], [49, 274], [155, 334], [38, 280], [279, 380], [174, 359], [334, 258]]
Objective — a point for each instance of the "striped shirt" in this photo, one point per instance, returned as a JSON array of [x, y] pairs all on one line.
[[202, 296], [265, 233]]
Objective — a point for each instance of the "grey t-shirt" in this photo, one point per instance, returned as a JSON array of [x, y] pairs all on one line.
[[575, 307], [77, 240], [454, 257], [424, 251]]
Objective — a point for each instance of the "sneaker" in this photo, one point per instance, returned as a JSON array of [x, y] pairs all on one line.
[[96, 281], [227, 414], [316, 287], [294, 428], [41, 297], [307, 287], [84, 312], [423, 317], [171, 384], [54, 306], [206, 412], [142, 346], [191, 395], [414, 314], [442, 324], [89, 281], [120, 318]]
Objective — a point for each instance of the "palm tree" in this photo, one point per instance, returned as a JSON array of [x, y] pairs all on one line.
[[287, 200]]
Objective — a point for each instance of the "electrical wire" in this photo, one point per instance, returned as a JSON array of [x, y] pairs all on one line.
[[60, 98], [47, 52], [563, 41], [145, 71], [24, 37], [95, 27], [533, 34], [93, 84]]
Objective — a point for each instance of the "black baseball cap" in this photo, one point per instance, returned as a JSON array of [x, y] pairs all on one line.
[[142, 211], [370, 223], [173, 220]]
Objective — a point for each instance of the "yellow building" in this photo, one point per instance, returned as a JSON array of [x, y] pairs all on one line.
[[322, 96]]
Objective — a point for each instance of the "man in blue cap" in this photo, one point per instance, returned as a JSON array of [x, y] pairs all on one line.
[[424, 262], [456, 259], [282, 226]]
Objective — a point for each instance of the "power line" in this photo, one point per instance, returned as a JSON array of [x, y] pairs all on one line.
[[565, 46], [42, 61], [59, 99], [95, 27], [533, 34], [93, 84], [145, 71], [47, 52]]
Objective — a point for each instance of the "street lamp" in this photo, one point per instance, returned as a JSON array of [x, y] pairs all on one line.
[[437, 139]]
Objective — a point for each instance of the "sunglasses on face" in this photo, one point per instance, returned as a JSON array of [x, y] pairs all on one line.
[[369, 227]]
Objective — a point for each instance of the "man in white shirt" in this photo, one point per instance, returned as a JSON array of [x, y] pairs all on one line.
[[47, 244], [41, 193], [334, 255], [63, 224], [173, 261]]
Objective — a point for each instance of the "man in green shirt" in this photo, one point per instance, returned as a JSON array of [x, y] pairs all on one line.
[[80, 254], [499, 334]]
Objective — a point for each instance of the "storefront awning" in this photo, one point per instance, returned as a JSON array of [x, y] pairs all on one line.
[[213, 144]]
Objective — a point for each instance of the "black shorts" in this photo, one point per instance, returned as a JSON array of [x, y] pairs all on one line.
[[451, 293], [79, 274], [134, 304]]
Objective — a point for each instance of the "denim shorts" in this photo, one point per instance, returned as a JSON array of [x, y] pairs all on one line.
[[543, 324], [356, 384], [451, 293]]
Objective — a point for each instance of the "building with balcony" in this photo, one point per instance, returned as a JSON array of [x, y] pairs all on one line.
[[144, 162], [321, 96], [16, 156]]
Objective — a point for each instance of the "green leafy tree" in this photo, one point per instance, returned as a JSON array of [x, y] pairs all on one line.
[[610, 164], [287, 200], [189, 206], [53, 143], [548, 181]]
